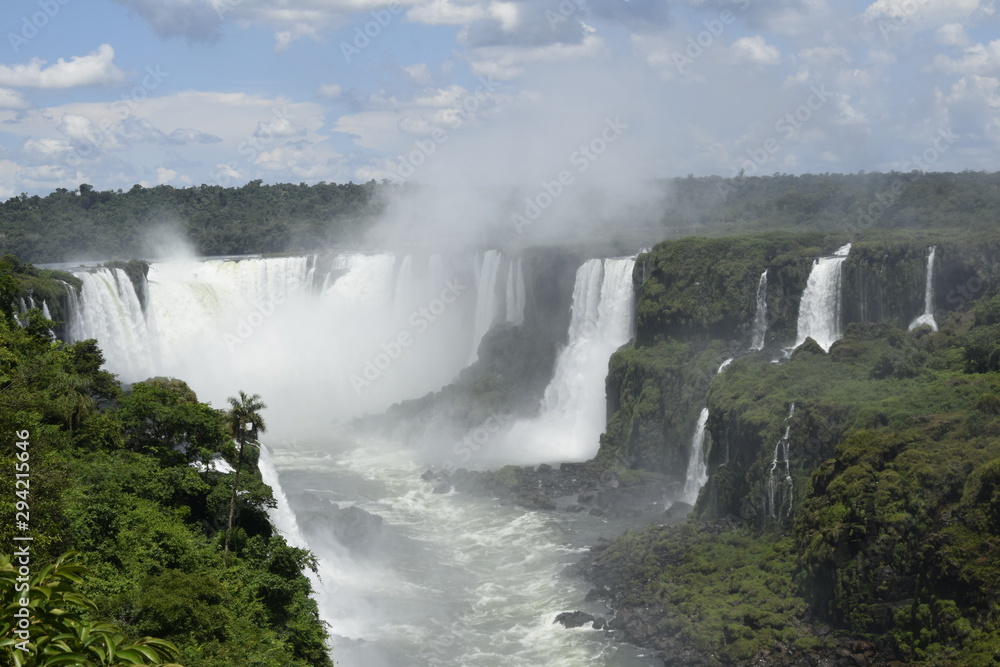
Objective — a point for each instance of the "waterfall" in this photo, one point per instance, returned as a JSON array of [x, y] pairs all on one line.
[[573, 410], [928, 315], [820, 308], [487, 307], [781, 456], [760, 318], [697, 471], [724, 365], [281, 514], [404, 280], [515, 293], [383, 330], [109, 311]]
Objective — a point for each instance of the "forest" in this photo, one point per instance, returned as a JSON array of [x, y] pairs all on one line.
[[258, 218]]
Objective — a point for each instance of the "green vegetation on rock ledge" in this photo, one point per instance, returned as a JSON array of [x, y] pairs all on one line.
[[890, 528]]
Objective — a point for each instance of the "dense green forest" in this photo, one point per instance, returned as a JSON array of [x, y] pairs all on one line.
[[89, 224], [256, 218], [129, 515]]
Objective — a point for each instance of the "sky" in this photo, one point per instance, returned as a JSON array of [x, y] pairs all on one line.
[[545, 93]]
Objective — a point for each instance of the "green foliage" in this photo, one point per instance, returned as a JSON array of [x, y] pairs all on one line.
[[163, 418], [41, 627], [728, 594]]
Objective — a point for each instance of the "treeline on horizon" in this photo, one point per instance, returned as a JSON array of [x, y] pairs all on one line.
[[85, 223]]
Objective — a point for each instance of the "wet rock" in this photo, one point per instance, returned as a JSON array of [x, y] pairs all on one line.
[[678, 511], [574, 619], [443, 487], [599, 623], [354, 527], [428, 476]]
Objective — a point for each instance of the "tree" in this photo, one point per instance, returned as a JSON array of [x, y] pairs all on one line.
[[245, 423]]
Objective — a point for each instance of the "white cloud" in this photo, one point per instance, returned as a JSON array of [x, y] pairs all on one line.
[[418, 73], [445, 12], [279, 127], [164, 175], [891, 15], [506, 13], [509, 62], [94, 69], [953, 34], [330, 90], [46, 149], [11, 99], [977, 59], [756, 50]]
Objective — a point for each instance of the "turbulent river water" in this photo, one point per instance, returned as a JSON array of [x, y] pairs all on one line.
[[450, 579]]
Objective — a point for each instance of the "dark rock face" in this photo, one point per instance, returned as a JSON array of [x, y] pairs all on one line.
[[573, 619], [354, 527]]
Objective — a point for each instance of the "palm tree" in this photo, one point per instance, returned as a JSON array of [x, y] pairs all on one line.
[[245, 423]]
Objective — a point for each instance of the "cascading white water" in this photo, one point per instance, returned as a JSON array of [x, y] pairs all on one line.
[[404, 281], [820, 307], [928, 315], [487, 306], [781, 449], [515, 292], [697, 471], [573, 413], [724, 365], [281, 514], [373, 337], [109, 311], [760, 317]]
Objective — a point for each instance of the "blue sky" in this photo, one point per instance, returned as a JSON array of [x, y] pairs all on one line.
[[487, 92]]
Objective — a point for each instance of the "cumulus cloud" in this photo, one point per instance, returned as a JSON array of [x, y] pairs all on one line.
[[756, 50], [330, 90], [187, 135], [977, 59], [11, 99], [94, 69]]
